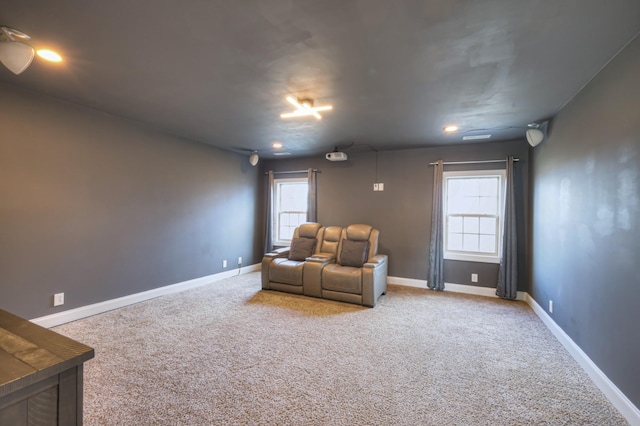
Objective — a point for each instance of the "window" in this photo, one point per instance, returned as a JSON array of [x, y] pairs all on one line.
[[290, 208], [473, 210]]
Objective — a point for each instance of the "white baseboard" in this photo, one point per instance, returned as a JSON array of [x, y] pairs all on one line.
[[608, 388], [108, 305], [409, 282], [478, 291], [455, 288]]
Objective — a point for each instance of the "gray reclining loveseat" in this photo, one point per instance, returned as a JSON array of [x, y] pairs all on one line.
[[342, 264]]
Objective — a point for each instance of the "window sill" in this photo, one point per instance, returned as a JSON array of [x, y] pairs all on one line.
[[471, 258]]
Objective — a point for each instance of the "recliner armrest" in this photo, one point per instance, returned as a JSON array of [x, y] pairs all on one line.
[[374, 279], [376, 261], [281, 252]]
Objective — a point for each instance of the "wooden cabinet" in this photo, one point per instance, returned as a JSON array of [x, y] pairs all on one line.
[[40, 374]]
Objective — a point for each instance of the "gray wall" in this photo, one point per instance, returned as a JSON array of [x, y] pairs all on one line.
[[586, 221], [402, 212], [97, 207]]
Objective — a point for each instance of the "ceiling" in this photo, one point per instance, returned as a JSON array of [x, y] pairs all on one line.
[[395, 71]]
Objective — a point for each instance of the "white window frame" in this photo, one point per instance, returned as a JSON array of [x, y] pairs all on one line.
[[277, 183], [466, 255]]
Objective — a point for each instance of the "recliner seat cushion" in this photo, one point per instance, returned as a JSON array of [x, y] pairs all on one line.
[[301, 248], [286, 271], [354, 253], [342, 278]]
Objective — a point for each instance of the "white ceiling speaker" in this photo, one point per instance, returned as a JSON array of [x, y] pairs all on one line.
[[534, 136], [253, 158], [14, 55]]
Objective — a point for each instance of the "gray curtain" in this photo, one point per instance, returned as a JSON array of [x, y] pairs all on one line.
[[436, 250], [508, 275], [268, 226], [312, 201]]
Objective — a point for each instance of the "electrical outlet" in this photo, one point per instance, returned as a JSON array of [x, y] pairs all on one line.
[[550, 306], [375, 187], [474, 278], [380, 186], [240, 260], [58, 299], [224, 263]]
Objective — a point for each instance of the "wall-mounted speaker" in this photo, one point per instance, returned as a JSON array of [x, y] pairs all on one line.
[[534, 136]]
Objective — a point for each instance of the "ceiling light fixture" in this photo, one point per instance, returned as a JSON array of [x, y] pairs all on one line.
[[15, 55], [277, 145], [450, 129], [304, 108]]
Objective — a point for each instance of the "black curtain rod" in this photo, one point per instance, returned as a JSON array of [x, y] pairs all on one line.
[[446, 163], [295, 171]]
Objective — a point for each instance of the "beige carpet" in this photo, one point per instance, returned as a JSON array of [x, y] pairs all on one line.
[[229, 353]]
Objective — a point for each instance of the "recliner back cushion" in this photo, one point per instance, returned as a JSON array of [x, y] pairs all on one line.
[[301, 248], [373, 243], [309, 230], [331, 239], [354, 253], [359, 232]]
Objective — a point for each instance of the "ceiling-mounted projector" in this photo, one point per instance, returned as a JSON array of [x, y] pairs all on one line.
[[336, 156]]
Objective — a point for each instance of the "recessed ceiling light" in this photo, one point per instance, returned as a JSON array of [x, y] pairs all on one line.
[[475, 137], [49, 55], [277, 145], [450, 128]]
